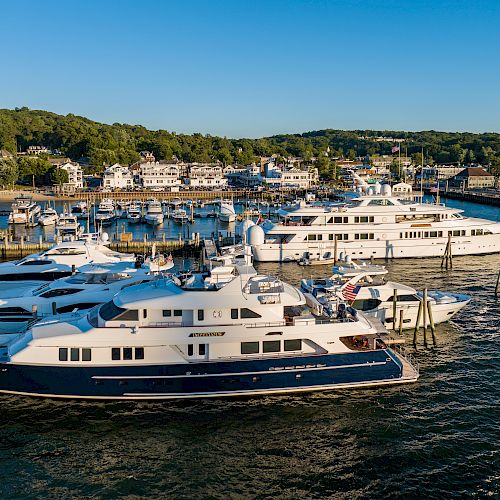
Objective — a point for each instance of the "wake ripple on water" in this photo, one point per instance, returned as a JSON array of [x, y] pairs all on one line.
[[438, 437]]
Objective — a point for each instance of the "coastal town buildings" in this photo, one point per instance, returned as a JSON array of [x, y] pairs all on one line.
[[159, 176], [473, 178], [206, 176], [75, 177], [117, 177]]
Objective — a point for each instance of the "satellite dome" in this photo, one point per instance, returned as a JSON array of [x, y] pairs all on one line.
[[255, 235]]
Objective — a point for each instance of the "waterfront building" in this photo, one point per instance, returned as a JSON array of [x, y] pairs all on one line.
[[206, 176], [75, 177], [117, 177], [473, 178], [292, 178], [159, 176]]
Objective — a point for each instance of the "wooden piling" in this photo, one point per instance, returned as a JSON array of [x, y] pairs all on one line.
[[431, 322], [447, 259], [394, 307], [497, 286], [417, 324], [424, 314], [401, 318]]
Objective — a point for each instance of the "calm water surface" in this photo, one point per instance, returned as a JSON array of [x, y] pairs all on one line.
[[433, 439]]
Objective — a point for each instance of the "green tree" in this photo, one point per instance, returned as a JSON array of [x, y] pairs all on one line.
[[8, 172], [58, 176]]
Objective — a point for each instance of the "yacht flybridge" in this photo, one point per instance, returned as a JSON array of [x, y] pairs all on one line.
[[246, 334], [378, 224]]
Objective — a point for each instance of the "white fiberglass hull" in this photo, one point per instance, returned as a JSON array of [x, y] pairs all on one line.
[[227, 217], [48, 220], [440, 313], [154, 219], [379, 249]]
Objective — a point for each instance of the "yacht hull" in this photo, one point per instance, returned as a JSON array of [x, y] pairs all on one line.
[[209, 379], [379, 249]]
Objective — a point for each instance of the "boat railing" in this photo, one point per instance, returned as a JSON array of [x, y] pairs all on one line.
[[408, 356], [265, 324]]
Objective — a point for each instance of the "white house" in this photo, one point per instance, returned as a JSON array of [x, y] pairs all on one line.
[[159, 176], [75, 176], [208, 176], [117, 177], [292, 178]]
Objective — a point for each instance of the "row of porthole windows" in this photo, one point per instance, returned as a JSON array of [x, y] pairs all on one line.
[[269, 346], [85, 354]]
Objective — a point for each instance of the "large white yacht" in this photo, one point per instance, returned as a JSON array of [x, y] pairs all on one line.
[[377, 223], [61, 260], [248, 334], [92, 285]]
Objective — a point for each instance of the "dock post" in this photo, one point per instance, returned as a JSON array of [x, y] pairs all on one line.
[[401, 318], [497, 286], [40, 242], [394, 307], [417, 324], [424, 307], [431, 323], [447, 260]]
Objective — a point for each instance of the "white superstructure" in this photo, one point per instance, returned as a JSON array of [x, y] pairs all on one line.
[[376, 224]]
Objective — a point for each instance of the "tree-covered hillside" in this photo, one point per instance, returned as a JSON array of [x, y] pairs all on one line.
[[76, 137]]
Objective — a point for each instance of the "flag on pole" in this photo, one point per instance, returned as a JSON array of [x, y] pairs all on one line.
[[350, 290], [395, 149]]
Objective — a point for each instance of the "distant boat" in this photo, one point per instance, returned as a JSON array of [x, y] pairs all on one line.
[[68, 227], [106, 212], [227, 211], [48, 217], [24, 210], [134, 213], [80, 209], [180, 216], [154, 215]]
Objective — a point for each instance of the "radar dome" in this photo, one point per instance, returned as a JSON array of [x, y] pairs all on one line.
[[255, 235], [105, 236], [377, 188], [370, 191]]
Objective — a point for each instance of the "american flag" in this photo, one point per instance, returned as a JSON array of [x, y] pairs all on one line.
[[350, 291], [395, 149]]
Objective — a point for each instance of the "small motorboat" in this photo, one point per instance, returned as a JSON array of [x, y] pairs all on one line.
[[48, 217], [180, 216], [154, 214], [134, 213], [105, 214]]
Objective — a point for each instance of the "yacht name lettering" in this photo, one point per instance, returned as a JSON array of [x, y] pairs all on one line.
[[207, 334]]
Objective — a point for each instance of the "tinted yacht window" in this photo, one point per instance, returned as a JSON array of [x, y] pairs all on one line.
[[110, 311]]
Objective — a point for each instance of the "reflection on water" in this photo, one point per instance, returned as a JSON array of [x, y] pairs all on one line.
[[439, 435]]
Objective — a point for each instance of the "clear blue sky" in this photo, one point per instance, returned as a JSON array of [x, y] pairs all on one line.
[[255, 68]]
